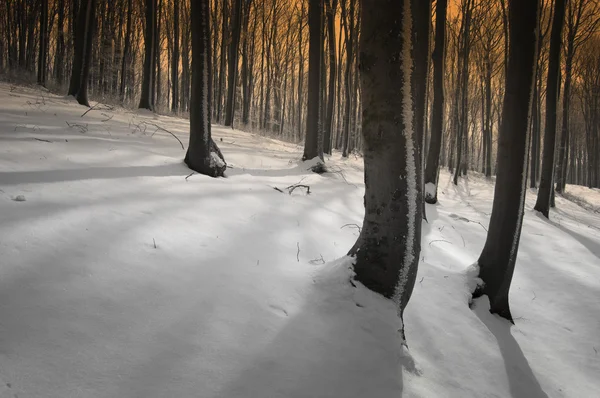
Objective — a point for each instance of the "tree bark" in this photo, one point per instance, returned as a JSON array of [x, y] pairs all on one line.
[[236, 22], [89, 27], [437, 112], [387, 250], [497, 260], [312, 147], [203, 155], [147, 84], [421, 12], [545, 190], [175, 59]]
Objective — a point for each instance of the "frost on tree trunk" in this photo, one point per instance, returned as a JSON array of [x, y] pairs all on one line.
[[203, 155], [497, 261], [387, 251]]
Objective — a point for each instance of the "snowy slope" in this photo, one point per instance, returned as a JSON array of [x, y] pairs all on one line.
[[119, 277]]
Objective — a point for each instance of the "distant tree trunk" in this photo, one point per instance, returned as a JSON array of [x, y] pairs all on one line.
[[126, 51], [421, 11], [437, 112], [80, 32], [89, 26], [312, 146], [348, 21], [156, 72], [545, 190], [223, 64], [331, 7], [43, 44], [388, 248], [463, 90], [497, 261], [149, 58], [59, 58], [236, 30], [202, 155], [175, 59]]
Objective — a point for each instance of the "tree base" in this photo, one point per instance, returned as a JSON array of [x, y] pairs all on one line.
[[498, 307], [213, 166]]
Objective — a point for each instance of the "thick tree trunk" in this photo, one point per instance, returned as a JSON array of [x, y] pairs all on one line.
[[387, 251], [312, 147], [90, 26], [545, 190], [203, 155], [497, 261], [437, 112], [236, 22], [80, 32], [147, 84]]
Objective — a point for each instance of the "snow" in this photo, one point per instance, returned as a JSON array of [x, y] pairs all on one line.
[[430, 190], [120, 278]]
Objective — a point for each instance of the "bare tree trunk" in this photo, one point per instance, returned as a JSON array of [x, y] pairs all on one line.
[[312, 147], [497, 260], [147, 84], [202, 155], [236, 22], [387, 250], [545, 191], [175, 59], [43, 44], [437, 113], [89, 26]]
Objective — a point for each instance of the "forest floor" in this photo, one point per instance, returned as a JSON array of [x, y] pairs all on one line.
[[123, 276]]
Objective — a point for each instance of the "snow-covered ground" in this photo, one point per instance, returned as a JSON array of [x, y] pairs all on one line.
[[120, 277]]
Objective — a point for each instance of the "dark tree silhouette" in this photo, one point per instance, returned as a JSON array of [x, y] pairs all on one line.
[[149, 58], [232, 67], [387, 250], [545, 190], [175, 58], [437, 111], [497, 260], [202, 155], [313, 145]]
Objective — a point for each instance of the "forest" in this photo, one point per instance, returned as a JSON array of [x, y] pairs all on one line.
[[299, 198]]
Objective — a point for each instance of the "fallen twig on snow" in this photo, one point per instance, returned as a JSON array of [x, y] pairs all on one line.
[[40, 139], [439, 240], [352, 225], [298, 252], [82, 128], [317, 260], [292, 187], [91, 109], [166, 131]]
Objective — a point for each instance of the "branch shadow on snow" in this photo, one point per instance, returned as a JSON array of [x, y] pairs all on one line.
[[90, 173], [521, 379]]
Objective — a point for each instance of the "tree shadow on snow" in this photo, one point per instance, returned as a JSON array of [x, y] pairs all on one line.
[[593, 247], [521, 379], [90, 173]]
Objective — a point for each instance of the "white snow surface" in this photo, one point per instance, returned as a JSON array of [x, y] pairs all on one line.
[[120, 278]]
